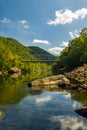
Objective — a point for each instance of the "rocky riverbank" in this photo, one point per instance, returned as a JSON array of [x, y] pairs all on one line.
[[11, 71], [78, 78]]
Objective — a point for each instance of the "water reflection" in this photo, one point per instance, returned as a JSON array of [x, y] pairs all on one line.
[[79, 96], [45, 111], [12, 90], [69, 122], [23, 108], [40, 101]]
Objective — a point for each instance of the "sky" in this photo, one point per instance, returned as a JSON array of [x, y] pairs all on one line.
[[48, 24]]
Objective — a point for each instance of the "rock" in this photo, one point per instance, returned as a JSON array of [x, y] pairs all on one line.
[[82, 111], [14, 70], [58, 80], [85, 86], [15, 75], [62, 85], [1, 72], [78, 78], [29, 84]]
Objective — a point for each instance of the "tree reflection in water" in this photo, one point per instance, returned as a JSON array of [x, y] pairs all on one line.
[[27, 108], [13, 89]]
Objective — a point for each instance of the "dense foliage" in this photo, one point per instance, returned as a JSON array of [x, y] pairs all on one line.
[[12, 53], [74, 55], [7, 58]]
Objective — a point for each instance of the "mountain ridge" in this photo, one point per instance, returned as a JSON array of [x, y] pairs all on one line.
[[41, 53]]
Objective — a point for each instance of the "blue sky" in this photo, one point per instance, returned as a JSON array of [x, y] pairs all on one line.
[[49, 24]]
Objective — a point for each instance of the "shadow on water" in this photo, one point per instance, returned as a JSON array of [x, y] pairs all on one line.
[[24, 108]]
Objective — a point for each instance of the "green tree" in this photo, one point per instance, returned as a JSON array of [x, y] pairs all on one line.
[[74, 55], [84, 31]]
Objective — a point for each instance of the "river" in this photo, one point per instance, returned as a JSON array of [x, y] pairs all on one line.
[[22, 108]]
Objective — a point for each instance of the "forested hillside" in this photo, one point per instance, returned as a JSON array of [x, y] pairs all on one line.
[[16, 47], [74, 55], [13, 52], [40, 53]]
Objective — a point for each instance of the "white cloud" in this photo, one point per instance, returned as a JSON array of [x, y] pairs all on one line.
[[67, 16], [69, 122], [71, 35], [24, 23], [37, 41], [5, 20], [55, 50], [74, 34], [25, 26], [64, 44]]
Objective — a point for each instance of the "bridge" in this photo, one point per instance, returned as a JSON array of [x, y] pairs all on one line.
[[40, 58]]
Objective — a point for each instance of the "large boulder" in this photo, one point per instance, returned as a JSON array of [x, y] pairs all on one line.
[[59, 80]]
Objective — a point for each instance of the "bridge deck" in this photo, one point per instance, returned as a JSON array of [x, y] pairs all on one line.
[[38, 60]]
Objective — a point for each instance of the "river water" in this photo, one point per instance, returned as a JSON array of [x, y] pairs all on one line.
[[24, 108]]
